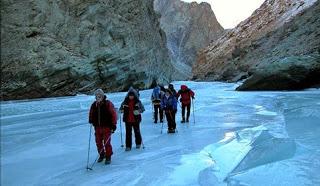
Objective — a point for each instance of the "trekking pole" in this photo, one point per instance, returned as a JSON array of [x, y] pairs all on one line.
[[143, 147], [152, 111], [164, 117], [194, 119], [88, 168], [179, 104], [104, 144], [121, 132]]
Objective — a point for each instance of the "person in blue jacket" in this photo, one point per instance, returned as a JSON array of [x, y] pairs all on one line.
[[169, 105]]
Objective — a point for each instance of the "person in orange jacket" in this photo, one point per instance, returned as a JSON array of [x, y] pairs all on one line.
[[186, 95], [104, 119]]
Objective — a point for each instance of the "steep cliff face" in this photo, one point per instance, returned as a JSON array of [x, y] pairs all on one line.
[[289, 57], [228, 59], [189, 27], [58, 48]]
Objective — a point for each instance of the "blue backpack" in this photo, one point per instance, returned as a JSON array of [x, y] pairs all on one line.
[[156, 93]]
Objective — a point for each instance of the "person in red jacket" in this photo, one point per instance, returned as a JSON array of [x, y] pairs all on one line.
[[186, 95], [104, 119], [132, 108]]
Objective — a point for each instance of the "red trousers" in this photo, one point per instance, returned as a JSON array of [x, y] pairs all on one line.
[[103, 141]]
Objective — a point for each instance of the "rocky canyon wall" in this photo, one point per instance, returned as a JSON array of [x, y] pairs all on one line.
[[189, 27], [63, 47], [280, 39]]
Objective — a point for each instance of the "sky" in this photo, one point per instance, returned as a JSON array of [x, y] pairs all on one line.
[[231, 12]]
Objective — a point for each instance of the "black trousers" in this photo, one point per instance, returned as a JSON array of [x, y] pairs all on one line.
[[171, 119], [136, 129], [157, 109], [188, 106]]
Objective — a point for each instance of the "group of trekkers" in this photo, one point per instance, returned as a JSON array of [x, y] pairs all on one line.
[[103, 115], [165, 101]]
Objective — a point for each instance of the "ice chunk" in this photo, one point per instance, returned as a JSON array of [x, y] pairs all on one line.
[[251, 148], [266, 149]]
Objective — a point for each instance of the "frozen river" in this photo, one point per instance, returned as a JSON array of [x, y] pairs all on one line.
[[239, 138]]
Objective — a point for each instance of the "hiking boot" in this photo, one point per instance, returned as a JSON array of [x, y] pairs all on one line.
[[155, 122], [128, 149], [101, 157], [138, 146], [161, 121], [171, 131], [187, 120], [183, 119], [108, 160]]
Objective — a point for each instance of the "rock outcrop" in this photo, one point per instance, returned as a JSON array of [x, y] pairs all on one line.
[[290, 73], [189, 27], [280, 41], [59, 48], [289, 57]]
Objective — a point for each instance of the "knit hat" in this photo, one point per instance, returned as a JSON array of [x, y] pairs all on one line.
[[99, 92]]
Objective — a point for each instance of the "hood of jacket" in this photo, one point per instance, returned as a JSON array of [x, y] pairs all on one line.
[[184, 87], [132, 90]]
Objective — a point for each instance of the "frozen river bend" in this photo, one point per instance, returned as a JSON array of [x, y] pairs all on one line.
[[239, 138]]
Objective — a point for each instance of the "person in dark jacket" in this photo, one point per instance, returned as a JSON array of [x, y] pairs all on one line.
[[104, 119], [186, 96], [162, 88], [156, 97], [132, 108], [169, 105], [171, 88]]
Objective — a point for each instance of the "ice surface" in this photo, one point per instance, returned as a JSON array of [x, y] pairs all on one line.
[[239, 138]]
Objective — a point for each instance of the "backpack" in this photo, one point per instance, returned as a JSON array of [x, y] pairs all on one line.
[[156, 94], [114, 108]]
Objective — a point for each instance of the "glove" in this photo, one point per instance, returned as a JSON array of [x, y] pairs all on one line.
[[193, 97], [113, 128], [136, 112]]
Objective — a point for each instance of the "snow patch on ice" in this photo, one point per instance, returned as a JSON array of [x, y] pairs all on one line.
[[263, 111], [267, 113], [190, 166]]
